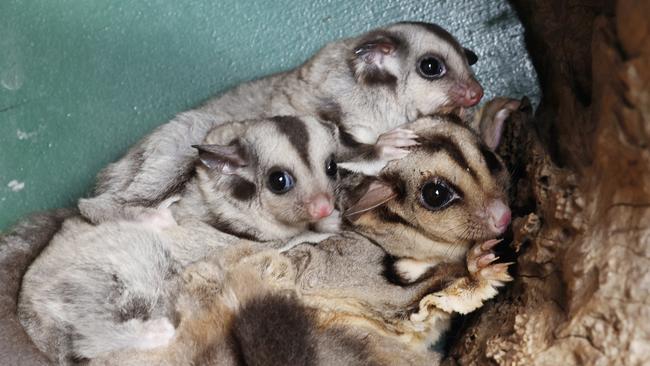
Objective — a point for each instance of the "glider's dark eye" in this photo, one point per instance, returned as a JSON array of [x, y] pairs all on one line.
[[280, 182], [437, 195], [431, 67], [331, 168]]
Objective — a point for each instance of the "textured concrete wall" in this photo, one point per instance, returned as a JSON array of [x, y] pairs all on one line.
[[80, 81]]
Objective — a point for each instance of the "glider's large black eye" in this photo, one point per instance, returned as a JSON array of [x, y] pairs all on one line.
[[331, 168], [431, 67], [437, 195], [280, 182]]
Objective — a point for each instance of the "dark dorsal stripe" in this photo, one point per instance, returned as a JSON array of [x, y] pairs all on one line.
[[492, 162], [438, 143], [296, 131], [242, 189]]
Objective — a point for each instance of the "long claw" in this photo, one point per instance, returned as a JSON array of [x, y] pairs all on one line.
[[490, 244], [486, 259], [496, 272], [502, 266]]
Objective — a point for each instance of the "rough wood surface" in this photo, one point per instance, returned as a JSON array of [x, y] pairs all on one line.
[[582, 291]]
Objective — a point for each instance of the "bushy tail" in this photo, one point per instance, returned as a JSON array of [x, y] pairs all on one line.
[[18, 248], [275, 329]]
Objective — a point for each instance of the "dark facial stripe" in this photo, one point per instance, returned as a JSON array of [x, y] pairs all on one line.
[[492, 162], [296, 131], [387, 215], [437, 143], [226, 227], [440, 32], [242, 189], [379, 78]]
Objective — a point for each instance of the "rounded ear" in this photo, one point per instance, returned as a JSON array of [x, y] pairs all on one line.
[[372, 59], [377, 194], [472, 57], [225, 158], [493, 117]]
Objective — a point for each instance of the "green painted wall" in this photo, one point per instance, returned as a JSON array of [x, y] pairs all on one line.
[[80, 80]]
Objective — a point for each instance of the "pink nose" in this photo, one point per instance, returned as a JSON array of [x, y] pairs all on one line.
[[466, 93], [498, 216], [473, 94], [319, 206]]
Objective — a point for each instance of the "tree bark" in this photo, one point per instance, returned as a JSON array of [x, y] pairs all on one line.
[[581, 192]]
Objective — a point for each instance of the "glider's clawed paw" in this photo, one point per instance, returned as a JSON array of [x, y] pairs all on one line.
[[480, 263], [393, 144]]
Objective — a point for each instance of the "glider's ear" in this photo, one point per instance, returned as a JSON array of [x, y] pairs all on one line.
[[377, 194], [472, 57], [226, 159], [493, 118], [373, 60]]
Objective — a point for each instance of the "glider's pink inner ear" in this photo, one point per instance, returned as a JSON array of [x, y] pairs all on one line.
[[377, 194]]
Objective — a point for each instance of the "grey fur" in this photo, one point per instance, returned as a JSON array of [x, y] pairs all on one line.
[[96, 289], [343, 278], [18, 248], [92, 290], [336, 291], [234, 197], [334, 84]]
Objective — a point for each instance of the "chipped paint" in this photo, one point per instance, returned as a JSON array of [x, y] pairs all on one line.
[[16, 186]]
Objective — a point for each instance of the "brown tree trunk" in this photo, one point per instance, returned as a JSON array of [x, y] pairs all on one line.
[[582, 289]]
